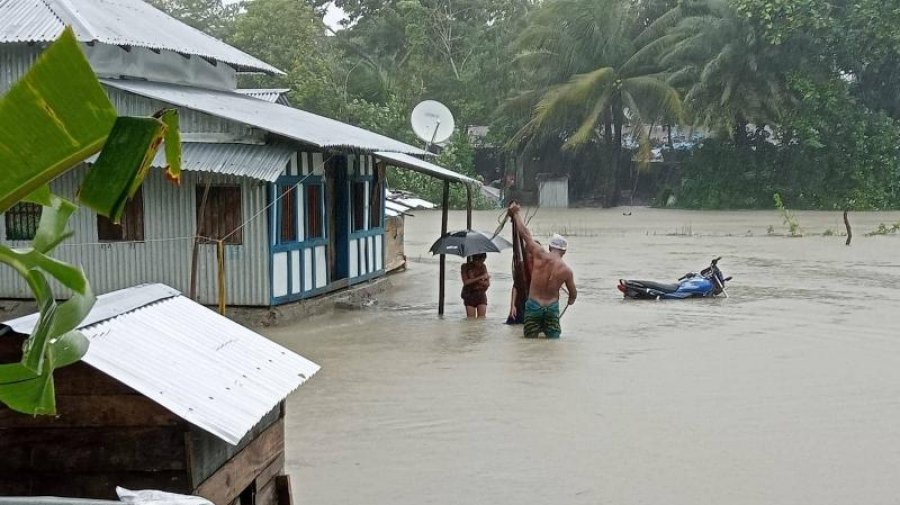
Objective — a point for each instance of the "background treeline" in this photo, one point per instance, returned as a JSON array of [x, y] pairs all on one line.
[[798, 97]]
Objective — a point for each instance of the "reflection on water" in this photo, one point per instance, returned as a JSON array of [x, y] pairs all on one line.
[[787, 392]]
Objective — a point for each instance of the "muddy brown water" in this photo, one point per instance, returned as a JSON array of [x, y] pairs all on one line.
[[788, 392]]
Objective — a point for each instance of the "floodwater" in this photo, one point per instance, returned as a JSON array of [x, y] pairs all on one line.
[[788, 392]]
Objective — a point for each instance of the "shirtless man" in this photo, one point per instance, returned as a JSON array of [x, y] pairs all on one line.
[[548, 274]]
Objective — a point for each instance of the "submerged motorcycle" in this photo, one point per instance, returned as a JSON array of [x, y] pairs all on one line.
[[709, 282]]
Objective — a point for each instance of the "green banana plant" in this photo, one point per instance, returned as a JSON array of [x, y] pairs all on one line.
[[54, 118]]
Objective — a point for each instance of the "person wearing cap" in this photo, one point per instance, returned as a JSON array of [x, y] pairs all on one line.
[[549, 273]]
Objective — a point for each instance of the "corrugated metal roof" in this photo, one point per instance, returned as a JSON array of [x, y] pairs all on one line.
[[265, 162], [296, 124], [393, 209], [268, 95], [203, 367], [400, 202], [415, 164], [116, 22], [28, 21]]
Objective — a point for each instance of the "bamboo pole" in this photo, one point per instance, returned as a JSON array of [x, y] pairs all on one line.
[[445, 209]]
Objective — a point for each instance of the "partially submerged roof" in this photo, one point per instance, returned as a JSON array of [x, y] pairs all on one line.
[[203, 367], [412, 163], [119, 23], [398, 203], [306, 127]]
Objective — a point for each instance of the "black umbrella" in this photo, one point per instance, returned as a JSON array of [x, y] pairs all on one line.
[[468, 243]]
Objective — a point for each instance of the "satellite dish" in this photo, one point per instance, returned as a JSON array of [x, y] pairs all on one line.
[[432, 122]]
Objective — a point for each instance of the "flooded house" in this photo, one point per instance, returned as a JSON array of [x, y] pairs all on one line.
[[276, 204], [170, 396]]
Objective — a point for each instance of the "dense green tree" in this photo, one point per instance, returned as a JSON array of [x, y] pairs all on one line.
[[589, 79], [291, 35], [854, 40], [729, 74]]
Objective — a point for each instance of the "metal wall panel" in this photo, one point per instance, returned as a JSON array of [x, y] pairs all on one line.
[[165, 255], [554, 193], [15, 60], [189, 121]]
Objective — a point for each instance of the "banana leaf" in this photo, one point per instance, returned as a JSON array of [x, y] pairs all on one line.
[[122, 165], [51, 120], [55, 117]]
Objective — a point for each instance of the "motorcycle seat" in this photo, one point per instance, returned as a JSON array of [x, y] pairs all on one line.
[[658, 286]]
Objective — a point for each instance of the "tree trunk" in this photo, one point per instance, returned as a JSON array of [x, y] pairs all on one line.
[[847, 224], [617, 166]]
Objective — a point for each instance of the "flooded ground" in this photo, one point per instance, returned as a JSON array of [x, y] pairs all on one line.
[[786, 393]]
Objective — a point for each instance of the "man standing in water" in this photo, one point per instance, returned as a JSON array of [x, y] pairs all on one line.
[[548, 274]]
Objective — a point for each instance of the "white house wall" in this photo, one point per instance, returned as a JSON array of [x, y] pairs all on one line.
[[366, 245], [165, 254]]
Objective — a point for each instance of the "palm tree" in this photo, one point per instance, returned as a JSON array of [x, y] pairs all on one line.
[[729, 74], [589, 78]]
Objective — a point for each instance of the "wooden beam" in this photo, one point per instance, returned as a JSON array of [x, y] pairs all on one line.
[[266, 483], [445, 209], [283, 487], [240, 471], [107, 411], [92, 450]]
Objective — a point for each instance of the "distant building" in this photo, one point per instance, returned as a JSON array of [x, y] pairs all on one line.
[[297, 199]]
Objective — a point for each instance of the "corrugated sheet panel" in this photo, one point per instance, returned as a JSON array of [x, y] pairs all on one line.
[[265, 162], [15, 60], [28, 21], [554, 193], [203, 367], [165, 254], [119, 23], [189, 121], [268, 95], [417, 165], [293, 123]]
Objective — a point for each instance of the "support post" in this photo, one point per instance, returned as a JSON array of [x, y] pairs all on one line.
[[468, 206], [220, 257], [196, 249], [445, 209]]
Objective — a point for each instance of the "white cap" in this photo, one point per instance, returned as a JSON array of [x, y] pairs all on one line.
[[557, 241]]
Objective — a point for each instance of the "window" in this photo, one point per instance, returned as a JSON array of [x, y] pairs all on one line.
[[375, 200], [287, 209], [358, 202], [131, 227], [22, 221], [222, 214], [315, 222]]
